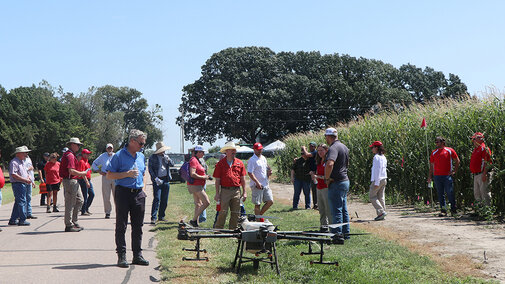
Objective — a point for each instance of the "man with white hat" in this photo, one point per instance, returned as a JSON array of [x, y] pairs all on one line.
[[20, 180], [335, 176], [230, 177], [99, 165], [72, 192], [159, 169]]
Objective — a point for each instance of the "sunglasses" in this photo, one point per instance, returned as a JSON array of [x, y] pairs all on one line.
[[140, 143]]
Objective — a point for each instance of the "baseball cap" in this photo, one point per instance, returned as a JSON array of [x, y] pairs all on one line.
[[330, 131], [109, 145], [312, 143], [85, 151], [257, 146], [199, 148], [376, 143], [478, 134]]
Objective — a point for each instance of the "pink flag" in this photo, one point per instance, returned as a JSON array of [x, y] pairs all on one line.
[[423, 124]]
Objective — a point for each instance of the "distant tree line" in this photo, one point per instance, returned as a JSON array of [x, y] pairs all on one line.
[[253, 93], [44, 118]]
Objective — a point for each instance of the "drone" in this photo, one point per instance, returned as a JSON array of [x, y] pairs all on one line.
[[259, 238]]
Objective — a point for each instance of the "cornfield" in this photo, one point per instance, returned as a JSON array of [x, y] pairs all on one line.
[[405, 142]]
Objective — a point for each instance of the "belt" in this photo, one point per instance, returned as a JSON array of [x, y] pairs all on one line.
[[132, 190], [230, 187]]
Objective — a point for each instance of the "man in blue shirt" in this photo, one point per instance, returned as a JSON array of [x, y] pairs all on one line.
[[127, 167], [100, 166]]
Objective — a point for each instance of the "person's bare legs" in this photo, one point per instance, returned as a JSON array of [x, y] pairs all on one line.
[[201, 203]]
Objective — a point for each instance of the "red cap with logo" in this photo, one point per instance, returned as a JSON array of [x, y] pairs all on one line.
[[478, 134], [376, 144], [257, 146], [85, 151]]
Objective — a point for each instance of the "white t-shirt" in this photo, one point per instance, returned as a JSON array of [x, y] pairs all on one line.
[[379, 166], [258, 166]]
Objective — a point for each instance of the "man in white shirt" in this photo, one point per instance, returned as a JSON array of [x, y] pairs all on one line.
[[259, 172], [99, 165]]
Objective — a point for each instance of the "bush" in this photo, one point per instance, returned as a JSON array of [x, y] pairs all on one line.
[[406, 145]]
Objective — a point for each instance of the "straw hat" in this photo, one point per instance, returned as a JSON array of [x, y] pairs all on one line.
[[74, 140], [228, 146], [160, 148], [21, 149]]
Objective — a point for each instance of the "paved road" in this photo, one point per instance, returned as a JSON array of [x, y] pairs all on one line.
[[44, 253]]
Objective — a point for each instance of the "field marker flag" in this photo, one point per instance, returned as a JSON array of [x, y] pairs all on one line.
[[424, 126]]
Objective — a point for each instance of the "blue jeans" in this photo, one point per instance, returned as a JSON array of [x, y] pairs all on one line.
[[19, 208], [88, 194], [203, 217], [444, 184], [28, 200], [160, 200], [337, 199], [299, 186]]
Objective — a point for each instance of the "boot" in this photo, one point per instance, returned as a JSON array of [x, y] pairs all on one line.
[[121, 260]]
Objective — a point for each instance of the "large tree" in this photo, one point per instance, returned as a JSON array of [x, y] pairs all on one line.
[[253, 93]]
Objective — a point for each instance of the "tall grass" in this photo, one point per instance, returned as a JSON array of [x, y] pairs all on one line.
[[406, 141]]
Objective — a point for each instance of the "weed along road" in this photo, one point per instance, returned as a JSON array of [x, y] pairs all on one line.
[[44, 253]]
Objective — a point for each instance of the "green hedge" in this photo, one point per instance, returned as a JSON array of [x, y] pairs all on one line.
[[405, 143]]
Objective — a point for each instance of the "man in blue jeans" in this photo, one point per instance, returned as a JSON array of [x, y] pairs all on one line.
[[159, 169], [300, 177], [20, 180], [335, 175]]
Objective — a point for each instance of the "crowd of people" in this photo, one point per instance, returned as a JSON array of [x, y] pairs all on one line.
[[321, 171]]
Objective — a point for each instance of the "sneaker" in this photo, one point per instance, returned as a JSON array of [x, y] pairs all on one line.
[[31, 217], [193, 223], [162, 220], [89, 213], [153, 221], [55, 209], [338, 239], [84, 214], [140, 260], [107, 216], [48, 209], [23, 223], [13, 223], [72, 229], [443, 213], [380, 216], [121, 260], [78, 227]]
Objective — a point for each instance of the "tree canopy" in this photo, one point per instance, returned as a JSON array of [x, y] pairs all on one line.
[[253, 93], [44, 118]]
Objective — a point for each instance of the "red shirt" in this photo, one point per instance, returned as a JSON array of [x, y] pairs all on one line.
[[83, 165], [320, 172], [479, 155], [193, 163], [442, 161], [230, 176], [68, 161], [2, 178], [52, 172]]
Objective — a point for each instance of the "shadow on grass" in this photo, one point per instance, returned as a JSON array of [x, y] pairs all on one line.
[[163, 228]]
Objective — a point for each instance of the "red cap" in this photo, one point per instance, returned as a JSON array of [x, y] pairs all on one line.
[[85, 151], [376, 143], [478, 134], [257, 146]]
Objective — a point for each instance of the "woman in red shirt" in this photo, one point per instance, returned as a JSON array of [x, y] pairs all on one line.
[[88, 193], [53, 179], [197, 172], [322, 188]]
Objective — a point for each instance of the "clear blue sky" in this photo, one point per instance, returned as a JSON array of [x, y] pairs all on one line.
[[157, 47]]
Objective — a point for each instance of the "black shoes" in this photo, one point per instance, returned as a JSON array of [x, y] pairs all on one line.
[[121, 260], [139, 260], [23, 223], [73, 229], [443, 213], [153, 221], [31, 217], [55, 209], [107, 216], [193, 223]]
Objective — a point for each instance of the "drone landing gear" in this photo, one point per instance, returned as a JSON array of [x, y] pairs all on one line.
[[198, 250], [271, 257], [320, 253]]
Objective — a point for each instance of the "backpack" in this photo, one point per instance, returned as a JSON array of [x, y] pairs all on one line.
[[184, 172]]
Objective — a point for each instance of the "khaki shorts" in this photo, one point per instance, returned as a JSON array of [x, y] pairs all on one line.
[[261, 195], [194, 188]]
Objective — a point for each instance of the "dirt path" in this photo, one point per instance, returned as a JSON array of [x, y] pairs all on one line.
[[465, 248]]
